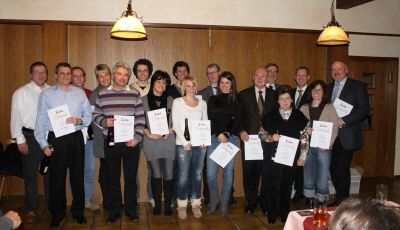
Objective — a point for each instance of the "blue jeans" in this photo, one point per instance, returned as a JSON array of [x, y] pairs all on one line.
[[212, 167], [190, 160], [90, 164], [316, 173]]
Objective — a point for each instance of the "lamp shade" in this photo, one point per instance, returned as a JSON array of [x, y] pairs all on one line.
[[129, 27], [333, 35]]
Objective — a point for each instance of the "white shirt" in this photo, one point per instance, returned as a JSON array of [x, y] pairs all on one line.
[[24, 108], [297, 92], [214, 88], [180, 111], [273, 86], [263, 93]]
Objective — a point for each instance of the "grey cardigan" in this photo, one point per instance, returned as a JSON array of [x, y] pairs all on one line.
[[328, 114], [162, 148]]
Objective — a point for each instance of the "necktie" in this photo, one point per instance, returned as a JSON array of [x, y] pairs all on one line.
[[214, 88], [299, 98], [335, 91], [260, 101], [271, 87]]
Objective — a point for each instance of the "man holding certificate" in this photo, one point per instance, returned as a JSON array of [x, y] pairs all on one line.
[[62, 112], [355, 106], [283, 125], [119, 110], [323, 126]]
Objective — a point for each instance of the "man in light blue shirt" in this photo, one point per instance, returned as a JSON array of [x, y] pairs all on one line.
[[67, 151]]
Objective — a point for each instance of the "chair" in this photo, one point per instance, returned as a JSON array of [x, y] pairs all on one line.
[[10, 165]]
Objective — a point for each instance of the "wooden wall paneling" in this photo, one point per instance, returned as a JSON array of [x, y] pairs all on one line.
[[335, 53], [54, 46]]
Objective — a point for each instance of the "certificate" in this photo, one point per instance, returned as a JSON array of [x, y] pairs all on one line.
[[200, 132], [286, 151], [342, 108], [224, 153], [321, 134], [253, 149], [58, 119], [158, 121], [124, 128]]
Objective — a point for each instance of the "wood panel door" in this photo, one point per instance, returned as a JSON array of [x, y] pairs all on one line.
[[376, 156]]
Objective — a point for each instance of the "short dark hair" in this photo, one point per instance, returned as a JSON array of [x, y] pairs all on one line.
[[37, 63], [180, 64], [145, 62], [232, 97], [325, 99], [272, 64], [62, 64], [160, 75], [303, 67], [80, 68], [213, 65], [284, 89]]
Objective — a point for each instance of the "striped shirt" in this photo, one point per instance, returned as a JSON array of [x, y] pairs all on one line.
[[126, 102]]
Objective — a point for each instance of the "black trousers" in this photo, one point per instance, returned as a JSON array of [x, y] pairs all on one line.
[[130, 161], [299, 179], [252, 171], [277, 179], [102, 182], [69, 153], [340, 169]]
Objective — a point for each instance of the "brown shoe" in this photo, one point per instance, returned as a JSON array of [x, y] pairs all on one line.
[[30, 217]]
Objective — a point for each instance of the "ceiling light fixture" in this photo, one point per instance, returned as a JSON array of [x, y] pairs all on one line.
[[333, 34], [129, 26]]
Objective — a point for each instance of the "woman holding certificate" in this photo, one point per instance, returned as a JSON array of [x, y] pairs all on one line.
[[322, 116], [159, 140], [222, 111], [190, 156], [283, 123]]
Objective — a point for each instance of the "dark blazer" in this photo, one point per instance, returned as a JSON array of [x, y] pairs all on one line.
[[354, 93], [206, 93], [173, 91], [248, 109], [303, 99]]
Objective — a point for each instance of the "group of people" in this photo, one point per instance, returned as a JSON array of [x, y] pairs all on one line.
[[175, 166]]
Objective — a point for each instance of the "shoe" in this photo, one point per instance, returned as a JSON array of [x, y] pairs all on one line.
[[152, 202], [112, 218], [182, 213], [206, 201], [30, 217], [90, 205], [297, 197], [232, 201], [80, 219], [167, 210], [271, 220], [133, 217], [55, 222], [249, 209], [157, 210], [197, 212]]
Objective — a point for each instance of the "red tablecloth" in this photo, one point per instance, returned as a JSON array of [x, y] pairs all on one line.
[[297, 222]]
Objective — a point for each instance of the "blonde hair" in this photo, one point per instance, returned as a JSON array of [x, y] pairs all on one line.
[[102, 69], [185, 81]]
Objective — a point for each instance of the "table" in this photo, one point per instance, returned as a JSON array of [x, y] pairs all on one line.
[[295, 221]]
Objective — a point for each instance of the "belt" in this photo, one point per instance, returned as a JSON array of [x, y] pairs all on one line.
[[27, 130]]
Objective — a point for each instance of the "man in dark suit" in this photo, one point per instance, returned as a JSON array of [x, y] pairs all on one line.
[[212, 72], [212, 75], [255, 102], [300, 94], [349, 138], [272, 75], [180, 70]]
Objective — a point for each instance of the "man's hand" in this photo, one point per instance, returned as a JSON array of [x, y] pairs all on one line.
[[244, 136], [110, 122], [187, 147], [222, 138], [47, 151], [341, 122], [14, 217], [275, 137], [132, 143], [74, 121], [23, 148]]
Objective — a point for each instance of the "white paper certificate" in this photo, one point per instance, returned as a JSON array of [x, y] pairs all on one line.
[[342, 108], [158, 121], [124, 128], [200, 132], [286, 150], [321, 134], [58, 119], [224, 153], [253, 149]]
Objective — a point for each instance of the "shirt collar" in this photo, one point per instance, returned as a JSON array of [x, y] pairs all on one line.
[[342, 82], [127, 88], [304, 88], [257, 89]]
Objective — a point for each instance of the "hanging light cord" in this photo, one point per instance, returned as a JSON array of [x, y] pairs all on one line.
[[333, 21]]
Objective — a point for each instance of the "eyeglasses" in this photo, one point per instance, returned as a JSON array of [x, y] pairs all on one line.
[[213, 72], [39, 73]]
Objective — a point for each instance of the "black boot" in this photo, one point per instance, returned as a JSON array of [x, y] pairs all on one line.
[[168, 190], [157, 187]]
